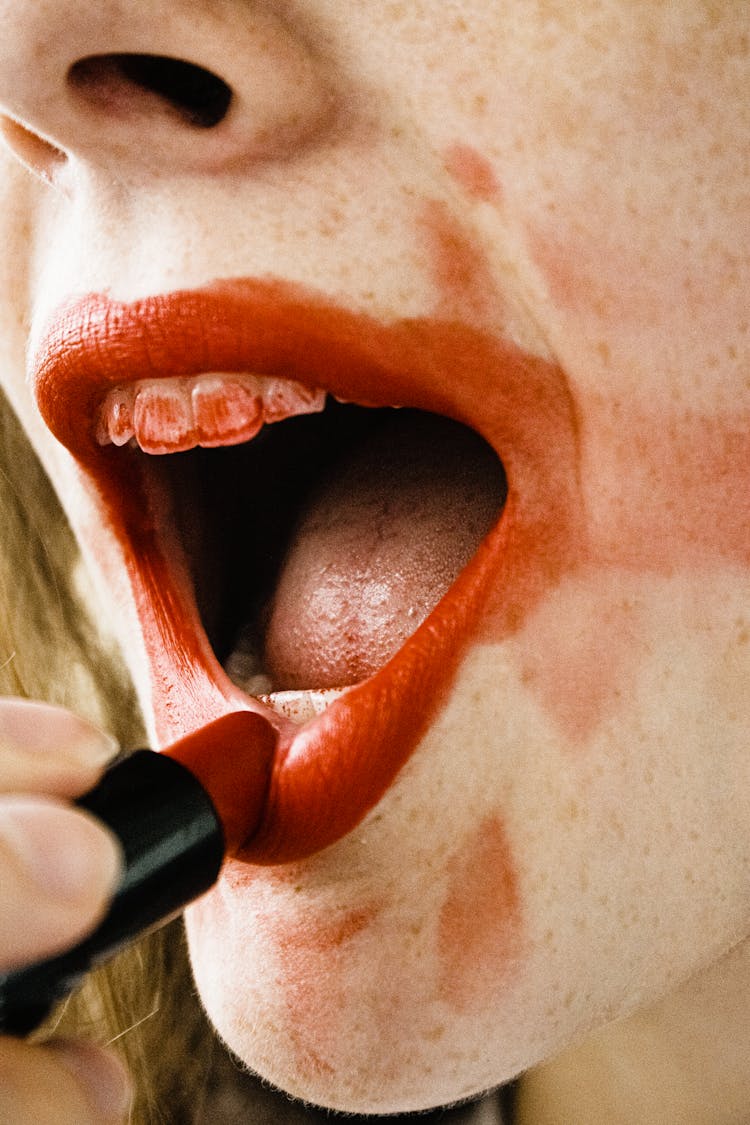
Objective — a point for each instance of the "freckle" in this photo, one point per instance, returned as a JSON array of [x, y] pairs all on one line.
[[573, 810], [616, 824]]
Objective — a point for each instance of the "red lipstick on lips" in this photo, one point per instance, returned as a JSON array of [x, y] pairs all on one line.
[[327, 774]]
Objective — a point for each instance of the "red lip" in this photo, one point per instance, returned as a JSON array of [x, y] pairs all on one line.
[[330, 772]]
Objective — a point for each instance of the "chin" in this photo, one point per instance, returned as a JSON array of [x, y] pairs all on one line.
[[390, 972]]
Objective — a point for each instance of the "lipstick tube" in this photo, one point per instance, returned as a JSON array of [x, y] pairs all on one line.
[[173, 839]]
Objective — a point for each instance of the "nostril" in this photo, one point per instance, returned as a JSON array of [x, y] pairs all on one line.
[[120, 82]]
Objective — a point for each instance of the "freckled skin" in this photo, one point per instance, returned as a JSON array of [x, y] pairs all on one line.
[[591, 751]]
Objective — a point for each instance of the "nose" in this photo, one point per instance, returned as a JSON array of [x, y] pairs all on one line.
[[158, 86]]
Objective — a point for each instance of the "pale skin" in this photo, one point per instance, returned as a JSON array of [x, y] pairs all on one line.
[[591, 163]]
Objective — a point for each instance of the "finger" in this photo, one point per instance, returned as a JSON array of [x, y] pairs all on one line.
[[46, 749], [58, 868], [61, 1083]]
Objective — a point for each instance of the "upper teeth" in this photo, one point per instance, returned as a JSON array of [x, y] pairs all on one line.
[[173, 414]]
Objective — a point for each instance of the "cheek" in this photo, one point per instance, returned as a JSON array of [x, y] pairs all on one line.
[[668, 488], [581, 661], [590, 275], [646, 304], [621, 658]]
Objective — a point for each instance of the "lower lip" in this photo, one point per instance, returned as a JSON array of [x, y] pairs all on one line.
[[330, 772]]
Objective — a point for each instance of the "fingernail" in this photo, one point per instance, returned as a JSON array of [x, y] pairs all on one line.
[[64, 852], [101, 1074], [28, 725]]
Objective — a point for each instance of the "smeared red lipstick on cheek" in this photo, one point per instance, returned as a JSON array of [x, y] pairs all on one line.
[[465, 288], [677, 500], [474, 173], [481, 930]]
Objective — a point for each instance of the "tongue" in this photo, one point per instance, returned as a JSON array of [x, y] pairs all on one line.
[[377, 546]]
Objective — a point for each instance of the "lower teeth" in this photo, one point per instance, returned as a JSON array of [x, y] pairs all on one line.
[[243, 665], [301, 706]]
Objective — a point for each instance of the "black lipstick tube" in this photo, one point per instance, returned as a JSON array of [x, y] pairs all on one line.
[[173, 844]]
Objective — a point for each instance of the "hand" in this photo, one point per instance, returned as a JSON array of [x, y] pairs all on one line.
[[58, 867]]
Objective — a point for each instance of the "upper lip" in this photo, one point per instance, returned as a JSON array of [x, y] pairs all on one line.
[[330, 772], [94, 344]]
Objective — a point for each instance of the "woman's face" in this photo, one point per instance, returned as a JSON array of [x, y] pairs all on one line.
[[531, 217]]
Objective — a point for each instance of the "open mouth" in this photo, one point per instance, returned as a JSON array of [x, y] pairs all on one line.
[[345, 557], [320, 544]]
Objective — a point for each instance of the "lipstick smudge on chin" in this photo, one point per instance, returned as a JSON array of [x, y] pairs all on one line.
[[481, 923], [312, 957]]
